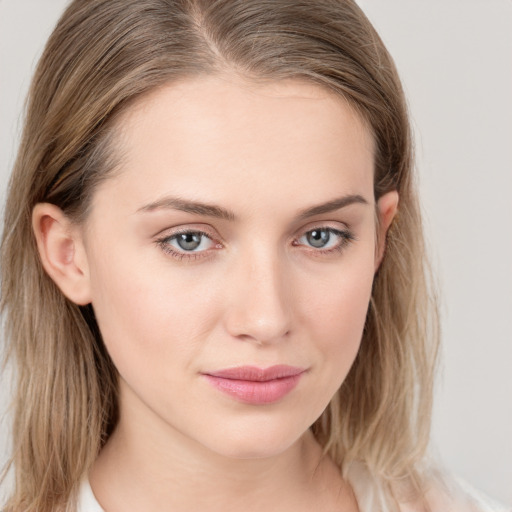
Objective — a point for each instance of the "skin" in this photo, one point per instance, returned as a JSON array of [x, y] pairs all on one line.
[[255, 292]]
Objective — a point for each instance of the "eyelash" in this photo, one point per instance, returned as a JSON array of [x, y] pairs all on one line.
[[346, 238]]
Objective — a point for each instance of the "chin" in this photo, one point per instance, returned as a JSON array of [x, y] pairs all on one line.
[[255, 441]]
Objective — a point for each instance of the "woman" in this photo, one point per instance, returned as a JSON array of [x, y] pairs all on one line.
[[212, 287]]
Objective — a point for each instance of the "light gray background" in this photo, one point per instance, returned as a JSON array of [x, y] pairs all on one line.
[[455, 58]]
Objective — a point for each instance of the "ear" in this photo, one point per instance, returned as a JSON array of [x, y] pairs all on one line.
[[62, 252], [387, 206]]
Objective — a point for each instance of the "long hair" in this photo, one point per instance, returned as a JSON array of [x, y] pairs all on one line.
[[102, 56]]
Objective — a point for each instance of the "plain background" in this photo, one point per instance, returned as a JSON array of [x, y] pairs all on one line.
[[455, 59]]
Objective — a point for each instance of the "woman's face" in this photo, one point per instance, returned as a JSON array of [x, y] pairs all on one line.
[[239, 234]]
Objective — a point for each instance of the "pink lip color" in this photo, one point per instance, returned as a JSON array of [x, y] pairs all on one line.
[[256, 386]]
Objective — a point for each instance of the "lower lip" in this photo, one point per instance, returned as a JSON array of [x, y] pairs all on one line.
[[255, 392]]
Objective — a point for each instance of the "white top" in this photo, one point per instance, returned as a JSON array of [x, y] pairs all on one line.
[[446, 494], [86, 500]]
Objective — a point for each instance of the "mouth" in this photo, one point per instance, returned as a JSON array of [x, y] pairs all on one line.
[[256, 386]]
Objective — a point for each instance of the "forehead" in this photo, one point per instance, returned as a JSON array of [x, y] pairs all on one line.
[[219, 137]]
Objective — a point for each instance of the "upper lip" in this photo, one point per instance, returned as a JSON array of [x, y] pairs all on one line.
[[255, 374]]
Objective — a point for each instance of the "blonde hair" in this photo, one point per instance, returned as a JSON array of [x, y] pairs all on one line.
[[102, 56]]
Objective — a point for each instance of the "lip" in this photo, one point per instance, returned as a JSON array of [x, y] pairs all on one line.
[[257, 386]]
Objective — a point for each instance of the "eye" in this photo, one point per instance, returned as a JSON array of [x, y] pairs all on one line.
[[191, 241], [325, 239], [187, 244]]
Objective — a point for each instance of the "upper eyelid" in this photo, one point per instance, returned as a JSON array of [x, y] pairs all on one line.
[[329, 225], [170, 232], [213, 232], [214, 235], [325, 223]]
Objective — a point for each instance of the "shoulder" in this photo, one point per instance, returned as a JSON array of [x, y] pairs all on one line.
[[448, 492], [441, 492]]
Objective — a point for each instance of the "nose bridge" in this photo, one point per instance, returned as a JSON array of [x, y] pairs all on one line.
[[259, 307]]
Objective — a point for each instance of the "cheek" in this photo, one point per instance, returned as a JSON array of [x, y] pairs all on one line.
[[148, 314], [340, 298], [336, 316]]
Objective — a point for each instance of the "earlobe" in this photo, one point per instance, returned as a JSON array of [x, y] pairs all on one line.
[[387, 207], [62, 253]]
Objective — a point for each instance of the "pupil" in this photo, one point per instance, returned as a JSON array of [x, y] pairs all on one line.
[[318, 237], [189, 241]]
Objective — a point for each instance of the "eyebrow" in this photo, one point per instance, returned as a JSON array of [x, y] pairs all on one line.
[[331, 206], [211, 210], [197, 207]]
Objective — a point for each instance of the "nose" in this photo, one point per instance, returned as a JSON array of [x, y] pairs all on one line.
[[259, 307]]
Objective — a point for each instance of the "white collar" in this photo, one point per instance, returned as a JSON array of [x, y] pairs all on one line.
[[86, 500], [448, 494]]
